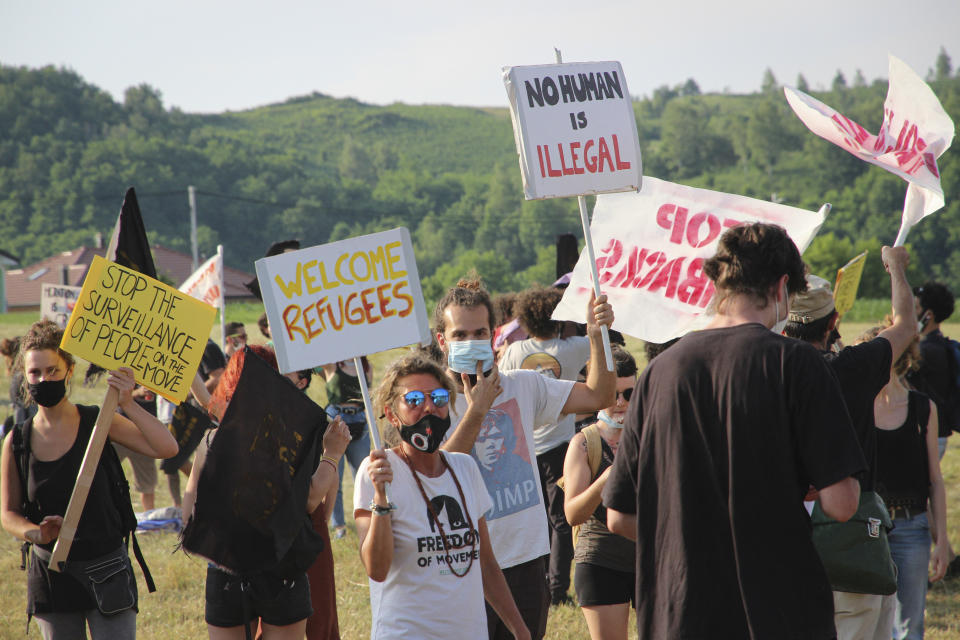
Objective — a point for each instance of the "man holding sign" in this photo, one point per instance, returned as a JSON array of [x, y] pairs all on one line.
[[497, 415], [40, 465]]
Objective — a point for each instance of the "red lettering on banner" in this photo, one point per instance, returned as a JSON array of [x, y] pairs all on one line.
[[573, 157], [656, 259], [630, 268], [621, 165], [603, 152], [931, 163], [693, 286], [693, 229], [707, 295], [615, 249], [543, 173], [669, 276], [553, 173], [678, 222], [589, 161], [567, 171]]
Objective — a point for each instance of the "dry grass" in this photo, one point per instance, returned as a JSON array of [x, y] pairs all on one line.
[[176, 609]]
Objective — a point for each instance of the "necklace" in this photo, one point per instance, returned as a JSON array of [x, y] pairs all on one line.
[[447, 547]]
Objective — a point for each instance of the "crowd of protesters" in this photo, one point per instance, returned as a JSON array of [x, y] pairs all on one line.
[[510, 452]]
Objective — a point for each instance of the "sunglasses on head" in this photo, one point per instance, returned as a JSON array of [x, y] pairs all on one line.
[[626, 393], [439, 397]]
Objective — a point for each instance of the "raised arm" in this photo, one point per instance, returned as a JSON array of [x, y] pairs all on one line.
[[142, 432], [904, 327], [600, 389], [480, 397]]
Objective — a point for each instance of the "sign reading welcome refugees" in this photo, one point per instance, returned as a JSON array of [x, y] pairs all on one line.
[[345, 299], [575, 129], [126, 319], [652, 246]]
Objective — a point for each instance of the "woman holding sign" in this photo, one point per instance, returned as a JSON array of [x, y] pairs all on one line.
[[428, 557], [40, 464]]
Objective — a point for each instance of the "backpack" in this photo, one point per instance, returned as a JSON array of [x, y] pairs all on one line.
[[594, 455], [951, 404], [116, 479]]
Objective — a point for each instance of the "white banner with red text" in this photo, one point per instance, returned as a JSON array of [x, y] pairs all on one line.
[[206, 283], [651, 248], [915, 132]]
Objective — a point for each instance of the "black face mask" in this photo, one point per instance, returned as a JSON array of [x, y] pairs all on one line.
[[49, 392], [425, 434]]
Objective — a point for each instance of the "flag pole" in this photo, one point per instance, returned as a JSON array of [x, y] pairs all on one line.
[[588, 240], [368, 409], [223, 300]]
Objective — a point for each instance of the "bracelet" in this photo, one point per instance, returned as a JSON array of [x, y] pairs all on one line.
[[377, 510], [334, 461]]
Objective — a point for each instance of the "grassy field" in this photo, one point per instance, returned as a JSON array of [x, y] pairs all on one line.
[[176, 609]]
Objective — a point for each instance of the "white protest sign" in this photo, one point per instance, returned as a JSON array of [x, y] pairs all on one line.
[[57, 302], [652, 246], [344, 299], [915, 132], [206, 283], [575, 129]]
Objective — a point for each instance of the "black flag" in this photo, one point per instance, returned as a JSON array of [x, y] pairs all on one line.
[[129, 248], [188, 426], [128, 245], [251, 513]]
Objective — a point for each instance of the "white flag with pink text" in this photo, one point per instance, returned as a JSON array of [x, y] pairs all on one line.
[[651, 246], [915, 132]]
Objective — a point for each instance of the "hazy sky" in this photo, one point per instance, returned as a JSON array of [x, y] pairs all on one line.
[[213, 56]]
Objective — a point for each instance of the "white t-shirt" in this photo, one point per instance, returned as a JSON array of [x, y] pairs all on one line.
[[517, 521], [421, 598], [557, 359]]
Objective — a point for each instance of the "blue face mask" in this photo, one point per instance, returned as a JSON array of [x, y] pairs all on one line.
[[610, 422], [462, 355]]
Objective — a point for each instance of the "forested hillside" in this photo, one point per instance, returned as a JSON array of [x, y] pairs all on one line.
[[319, 169]]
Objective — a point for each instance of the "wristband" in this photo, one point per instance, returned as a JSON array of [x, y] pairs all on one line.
[[377, 510], [334, 461]]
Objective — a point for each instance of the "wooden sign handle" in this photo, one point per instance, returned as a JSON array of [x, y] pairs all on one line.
[[88, 468]]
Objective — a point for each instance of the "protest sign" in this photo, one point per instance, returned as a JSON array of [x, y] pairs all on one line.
[[848, 281], [574, 128], [344, 299], [126, 319], [652, 248], [915, 132], [57, 302]]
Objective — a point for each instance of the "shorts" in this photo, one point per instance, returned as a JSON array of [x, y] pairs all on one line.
[[144, 468], [597, 586], [276, 601]]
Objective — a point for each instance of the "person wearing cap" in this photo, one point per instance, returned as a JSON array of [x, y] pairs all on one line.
[[863, 370]]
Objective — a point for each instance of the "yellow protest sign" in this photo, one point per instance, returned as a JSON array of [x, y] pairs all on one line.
[[848, 281], [126, 319]]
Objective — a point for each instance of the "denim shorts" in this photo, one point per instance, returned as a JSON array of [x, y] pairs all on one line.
[[276, 601]]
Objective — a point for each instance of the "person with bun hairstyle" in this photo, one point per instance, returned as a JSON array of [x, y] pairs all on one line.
[[426, 551], [725, 432], [57, 438]]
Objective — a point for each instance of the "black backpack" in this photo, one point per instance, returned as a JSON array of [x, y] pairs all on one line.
[[117, 480]]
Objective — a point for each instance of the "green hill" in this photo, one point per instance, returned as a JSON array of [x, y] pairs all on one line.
[[319, 168]]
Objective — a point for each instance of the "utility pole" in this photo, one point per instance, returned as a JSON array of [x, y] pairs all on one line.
[[192, 194]]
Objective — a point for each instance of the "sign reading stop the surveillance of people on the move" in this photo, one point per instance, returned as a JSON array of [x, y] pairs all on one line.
[[575, 129], [342, 300], [126, 319]]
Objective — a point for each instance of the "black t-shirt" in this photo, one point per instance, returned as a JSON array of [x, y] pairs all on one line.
[[863, 370], [724, 433], [212, 359], [934, 378]]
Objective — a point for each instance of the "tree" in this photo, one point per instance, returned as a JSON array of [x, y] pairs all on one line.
[[943, 65], [355, 163], [769, 84], [690, 88], [839, 81], [858, 80], [802, 83]]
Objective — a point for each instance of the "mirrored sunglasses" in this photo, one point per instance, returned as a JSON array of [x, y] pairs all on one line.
[[626, 393], [439, 397]]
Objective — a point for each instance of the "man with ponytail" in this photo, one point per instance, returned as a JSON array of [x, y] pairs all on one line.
[[725, 432]]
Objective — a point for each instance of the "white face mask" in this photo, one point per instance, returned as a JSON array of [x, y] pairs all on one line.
[[779, 325], [609, 421]]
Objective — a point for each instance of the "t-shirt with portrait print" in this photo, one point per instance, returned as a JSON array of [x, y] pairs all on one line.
[[421, 597]]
